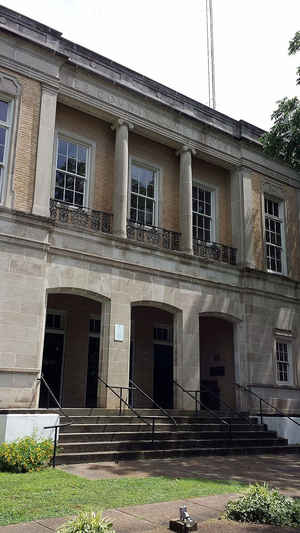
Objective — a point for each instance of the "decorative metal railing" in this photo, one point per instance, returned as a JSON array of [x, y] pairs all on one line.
[[81, 217], [160, 237], [215, 251]]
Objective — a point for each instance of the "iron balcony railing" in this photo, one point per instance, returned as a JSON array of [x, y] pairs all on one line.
[[215, 251], [80, 217], [160, 237]]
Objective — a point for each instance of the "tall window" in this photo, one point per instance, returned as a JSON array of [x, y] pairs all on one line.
[[274, 235], [143, 192], [283, 362], [203, 213], [71, 180], [5, 125]]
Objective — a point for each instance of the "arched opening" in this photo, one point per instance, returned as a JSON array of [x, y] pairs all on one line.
[[72, 347], [151, 355], [216, 361]]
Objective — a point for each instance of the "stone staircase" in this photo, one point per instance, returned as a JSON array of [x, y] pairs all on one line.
[[102, 435]]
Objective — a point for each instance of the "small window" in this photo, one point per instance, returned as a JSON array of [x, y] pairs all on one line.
[[5, 127], [94, 326], [283, 363], [163, 333], [143, 193], [54, 321], [71, 174], [203, 213], [274, 236]]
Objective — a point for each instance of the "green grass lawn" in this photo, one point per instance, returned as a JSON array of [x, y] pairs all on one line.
[[50, 493]]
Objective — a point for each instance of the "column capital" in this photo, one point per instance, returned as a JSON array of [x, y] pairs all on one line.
[[185, 149], [121, 122], [51, 89]]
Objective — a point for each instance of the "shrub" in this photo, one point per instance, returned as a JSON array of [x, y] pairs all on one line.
[[265, 506], [25, 454], [88, 522]]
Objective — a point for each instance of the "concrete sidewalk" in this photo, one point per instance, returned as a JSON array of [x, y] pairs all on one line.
[[282, 472]]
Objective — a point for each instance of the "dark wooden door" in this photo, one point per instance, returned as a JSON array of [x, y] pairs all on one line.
[[163, 375], [92, 372], [52, 368]]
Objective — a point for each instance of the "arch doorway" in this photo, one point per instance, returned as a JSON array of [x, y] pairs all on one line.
[[72, 343], [216, 362], [151, 356]]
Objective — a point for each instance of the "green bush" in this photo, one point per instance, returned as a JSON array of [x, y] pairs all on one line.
[[265, 506], [88, 522], [25, 455]]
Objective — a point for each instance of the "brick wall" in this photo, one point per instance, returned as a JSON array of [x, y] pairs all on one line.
[[26, 145], [98, 132], [218, 178]]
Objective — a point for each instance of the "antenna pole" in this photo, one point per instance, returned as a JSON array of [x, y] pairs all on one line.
[[210, 54]]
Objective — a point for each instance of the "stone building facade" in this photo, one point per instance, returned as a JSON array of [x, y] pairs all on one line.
[[143, 235]]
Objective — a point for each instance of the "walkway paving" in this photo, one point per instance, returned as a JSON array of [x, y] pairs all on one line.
[[280, 471]]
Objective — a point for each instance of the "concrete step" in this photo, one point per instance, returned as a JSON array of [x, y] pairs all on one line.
[[159, 426], [85, 447], [109, 419], [92, 457], [130, 435]]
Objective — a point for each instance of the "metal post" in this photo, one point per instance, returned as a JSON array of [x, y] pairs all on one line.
[[153, 429], [260, 410], [120, 409], [54, 451]]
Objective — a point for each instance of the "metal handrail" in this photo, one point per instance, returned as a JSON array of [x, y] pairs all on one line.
[[232, 409], [56, 426], [111, 388], [165, 413], [228, 424], [42, 379], [267, 403]]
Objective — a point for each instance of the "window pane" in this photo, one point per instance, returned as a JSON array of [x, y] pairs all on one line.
[[79, 185], [60, 179], [3, 110], [2, 136], [70, 182], [79, 199], [62, 147], [133, 200], [134, 185], [81, 168], [59, 193], [72, 165], [1, 153], [69, 196], [72, 150], [61, 162]]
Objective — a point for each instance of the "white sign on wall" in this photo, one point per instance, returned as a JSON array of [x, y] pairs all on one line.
[[119, 332]]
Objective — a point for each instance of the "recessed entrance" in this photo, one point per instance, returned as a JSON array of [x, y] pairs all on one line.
[[72, 345], [216, 362], [151, 359]]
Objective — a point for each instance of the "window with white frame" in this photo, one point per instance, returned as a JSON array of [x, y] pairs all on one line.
[[274, 235], [284, 369], [203, 210], [71, 175], [5, 127], [143, 194]]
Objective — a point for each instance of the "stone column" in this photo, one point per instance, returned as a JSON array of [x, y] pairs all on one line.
[[119, 348], [190, 378], [242, 216], [44, 159], [121, 179], [185, 199]]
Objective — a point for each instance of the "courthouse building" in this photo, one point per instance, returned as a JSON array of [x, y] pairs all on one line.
[[143, 235]]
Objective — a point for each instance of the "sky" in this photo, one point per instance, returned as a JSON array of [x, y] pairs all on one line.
[[166, 41]]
